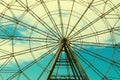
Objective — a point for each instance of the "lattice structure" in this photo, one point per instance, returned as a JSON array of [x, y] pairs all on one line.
[[60, 39], [66, 66]]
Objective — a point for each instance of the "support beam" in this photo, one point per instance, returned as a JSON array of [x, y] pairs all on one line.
[[81, 70], [76, 70], [55, 60]]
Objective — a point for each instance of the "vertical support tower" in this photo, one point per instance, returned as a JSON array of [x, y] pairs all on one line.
[[65, 65]]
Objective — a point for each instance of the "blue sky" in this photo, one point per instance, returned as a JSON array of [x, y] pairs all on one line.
[[99, 58]]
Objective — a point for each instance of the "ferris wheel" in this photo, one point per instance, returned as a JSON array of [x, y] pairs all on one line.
[[59, 39]]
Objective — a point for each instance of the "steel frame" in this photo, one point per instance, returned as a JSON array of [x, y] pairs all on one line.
[[78, 71]]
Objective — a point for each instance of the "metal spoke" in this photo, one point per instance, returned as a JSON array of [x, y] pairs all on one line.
[[60, 15], [70, 17], [94, 21], [96, 33], [59, 39], [27, 51], [38, 19], [99, 73], [32, 63], [94, 54], [83, 43], [32, 39], [81, 17], [27, 26], [50, 17]]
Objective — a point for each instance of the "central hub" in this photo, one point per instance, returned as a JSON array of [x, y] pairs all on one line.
[[64, 40]]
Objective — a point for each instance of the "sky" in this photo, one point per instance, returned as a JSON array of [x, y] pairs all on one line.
[[29, 30]]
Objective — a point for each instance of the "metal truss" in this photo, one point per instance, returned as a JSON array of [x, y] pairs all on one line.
[[66, 60], [59, 39]]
